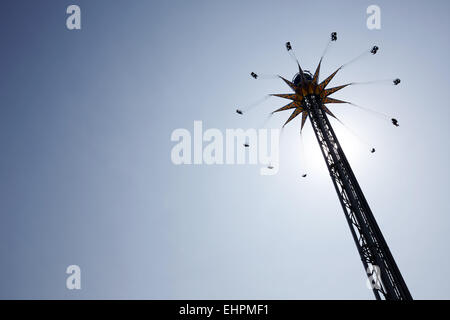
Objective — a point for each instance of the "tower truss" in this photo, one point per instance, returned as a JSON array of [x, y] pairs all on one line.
[[309, 99], [372, 247]]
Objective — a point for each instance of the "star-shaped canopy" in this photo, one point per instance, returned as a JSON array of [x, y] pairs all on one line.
[[306, 87]]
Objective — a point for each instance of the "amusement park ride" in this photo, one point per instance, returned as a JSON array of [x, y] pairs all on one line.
[[310, 99]]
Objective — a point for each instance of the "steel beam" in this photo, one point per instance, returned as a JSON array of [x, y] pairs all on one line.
[[371, 245]]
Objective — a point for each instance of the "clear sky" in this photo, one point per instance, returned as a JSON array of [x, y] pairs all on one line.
[[86, 176]]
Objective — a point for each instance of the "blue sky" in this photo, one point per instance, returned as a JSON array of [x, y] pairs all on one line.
[[86, 176]]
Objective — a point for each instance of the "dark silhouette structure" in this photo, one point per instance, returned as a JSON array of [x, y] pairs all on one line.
[[309, 99]]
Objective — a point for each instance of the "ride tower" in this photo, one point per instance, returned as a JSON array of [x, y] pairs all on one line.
[[309, 99]]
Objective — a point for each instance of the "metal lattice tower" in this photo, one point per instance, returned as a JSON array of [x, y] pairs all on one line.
[[368, 238], [309, 99]]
